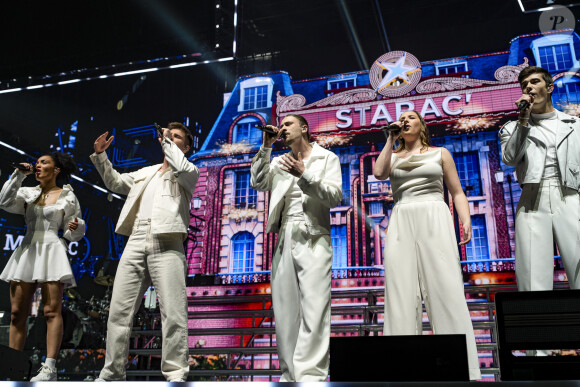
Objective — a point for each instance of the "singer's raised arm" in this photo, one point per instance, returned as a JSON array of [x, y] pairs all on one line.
[[11, 199], [184, 170], [261, 173], [120, 183]]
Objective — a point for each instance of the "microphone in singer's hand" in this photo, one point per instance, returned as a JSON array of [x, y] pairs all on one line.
[[20, 167], [159, 130], [390, 128], [523, 105], [264, 128]]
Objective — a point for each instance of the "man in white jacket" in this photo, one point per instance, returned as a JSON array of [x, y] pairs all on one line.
[[155, 217], [544, 146], [305, 184]]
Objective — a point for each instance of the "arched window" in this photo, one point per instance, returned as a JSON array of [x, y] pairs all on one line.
[[243, 247], [245, 130], [566, 91]]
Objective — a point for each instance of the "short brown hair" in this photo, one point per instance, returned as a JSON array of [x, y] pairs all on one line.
[[302, 122], [183, 128], [527, 71]]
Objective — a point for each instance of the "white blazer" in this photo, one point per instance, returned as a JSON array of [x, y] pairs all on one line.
[[170, 212], [523, 147], [321, 185]]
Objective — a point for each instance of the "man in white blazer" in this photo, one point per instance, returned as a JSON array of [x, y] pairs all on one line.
[[305, 184], [155, 217], [544, 146]]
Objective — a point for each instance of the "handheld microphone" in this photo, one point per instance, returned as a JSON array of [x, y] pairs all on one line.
[[20, 167], [523, 105], [390, 128], [264, 128], [159, 130]]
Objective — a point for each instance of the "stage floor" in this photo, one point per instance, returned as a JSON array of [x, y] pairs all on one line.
[[547, 383]]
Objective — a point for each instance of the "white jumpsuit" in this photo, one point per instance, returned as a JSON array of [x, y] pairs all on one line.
[[421, 256]]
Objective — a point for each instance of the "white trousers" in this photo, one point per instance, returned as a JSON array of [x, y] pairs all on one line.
[[302, 268], [156, 258], [545, 211], [422, 261]]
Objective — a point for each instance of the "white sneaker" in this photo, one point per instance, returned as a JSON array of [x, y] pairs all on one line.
[[100, 380], [176, 380], [45, 374]]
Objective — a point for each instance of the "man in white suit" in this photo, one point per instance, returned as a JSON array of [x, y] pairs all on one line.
[[155, 217], [544, 146], [305, 184]]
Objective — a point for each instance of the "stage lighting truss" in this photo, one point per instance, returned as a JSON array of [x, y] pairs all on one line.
[[139, 66], [529, 6]]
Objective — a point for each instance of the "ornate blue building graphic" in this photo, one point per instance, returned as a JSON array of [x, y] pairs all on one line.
[[464, 100]]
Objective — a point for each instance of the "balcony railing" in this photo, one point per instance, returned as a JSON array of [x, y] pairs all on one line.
[[252, 277], [247, 277], [357, 272], [496, 265]]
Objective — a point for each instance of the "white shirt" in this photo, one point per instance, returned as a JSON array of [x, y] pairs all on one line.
[[293, 201], [548, 123], [147, 197], [293, 198]]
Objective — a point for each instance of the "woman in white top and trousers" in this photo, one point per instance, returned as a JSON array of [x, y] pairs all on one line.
[[41, 258], [421, 255]]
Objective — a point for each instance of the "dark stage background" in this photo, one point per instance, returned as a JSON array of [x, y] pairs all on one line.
[[71, 117]]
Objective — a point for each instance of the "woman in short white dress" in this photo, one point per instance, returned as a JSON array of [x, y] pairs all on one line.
[[41, 258], [421, 255]]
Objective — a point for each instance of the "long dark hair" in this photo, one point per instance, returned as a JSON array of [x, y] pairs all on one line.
[[66, 164]]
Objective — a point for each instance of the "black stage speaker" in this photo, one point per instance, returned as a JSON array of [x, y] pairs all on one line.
[[15, 365], [398, 358], [538, 320], [203, 280]]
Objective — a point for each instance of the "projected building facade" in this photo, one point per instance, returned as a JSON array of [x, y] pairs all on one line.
[[464, 100]]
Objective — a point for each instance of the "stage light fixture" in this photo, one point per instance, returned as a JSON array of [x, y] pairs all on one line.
[[69, 81], [54, 78]]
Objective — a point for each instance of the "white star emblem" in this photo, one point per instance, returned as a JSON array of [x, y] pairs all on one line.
[[397, 70]]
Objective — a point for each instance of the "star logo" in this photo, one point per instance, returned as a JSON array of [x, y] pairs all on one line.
[[397, 70], [395, 73]]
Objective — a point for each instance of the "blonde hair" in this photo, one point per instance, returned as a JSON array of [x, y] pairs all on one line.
[[424, 135]]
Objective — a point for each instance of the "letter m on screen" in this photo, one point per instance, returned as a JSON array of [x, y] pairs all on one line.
[[12, 244]]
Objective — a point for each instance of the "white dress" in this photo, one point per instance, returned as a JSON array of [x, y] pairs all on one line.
[[41, 257], [422, 258]]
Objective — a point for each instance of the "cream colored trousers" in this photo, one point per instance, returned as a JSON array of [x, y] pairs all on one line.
[[302, 268], [158, 259], [545, 211], [422, 261]]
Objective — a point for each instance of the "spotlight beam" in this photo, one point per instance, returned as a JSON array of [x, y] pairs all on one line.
[[354, 40]]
